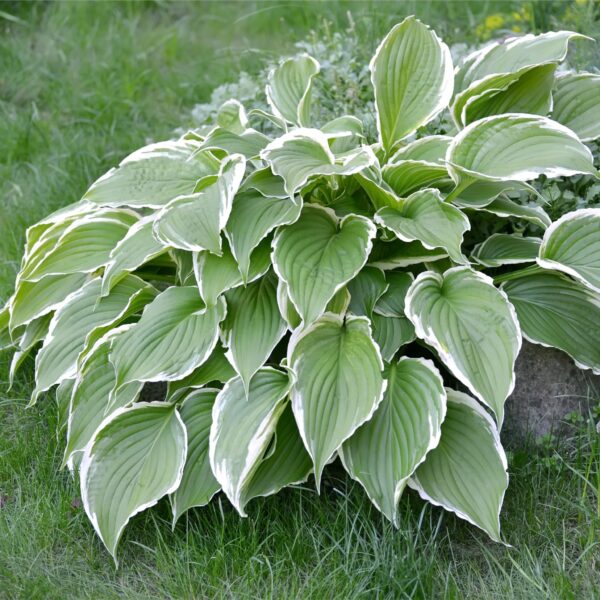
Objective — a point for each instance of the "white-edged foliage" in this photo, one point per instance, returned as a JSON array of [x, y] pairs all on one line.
[[302, 292]]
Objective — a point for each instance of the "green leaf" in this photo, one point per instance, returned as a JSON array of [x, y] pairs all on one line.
[[270, 118], [337, 305], [318, 254], [384, 452], [154, 175], [34, 332], [253, 326], [365, 290], [289, 88], [232, 116], [577, 104], [514, 54], [345, 133], [83, 247], [174, 336], [379, 192], [33, 299], [265, 183], [528, 90], [286, 308], [473, 328], [248, 143], [407, 176], [252, 218], [391, 302], [517, 147], [303, 153], [506, 249], [81, 318], [136, 248], [195, 222], [60, 218], [339, 383], [430, 149], [391, 333], [288, 464], [572, 245], [198, 484], [467, 472], [482, 193], [394, 254], [184, 266], [217, 274], [215, 368], [425, 217], [504, 207], [63, 398], [242, 427], [413, 78], [90, 401], [559, 312], [135, 458]]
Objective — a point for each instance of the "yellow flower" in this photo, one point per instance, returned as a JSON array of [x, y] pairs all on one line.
[[517, 28], [494, 21]]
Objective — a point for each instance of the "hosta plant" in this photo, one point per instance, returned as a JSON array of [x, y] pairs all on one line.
[[311, 294]]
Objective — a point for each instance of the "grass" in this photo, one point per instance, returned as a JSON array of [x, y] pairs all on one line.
[[81, 85]]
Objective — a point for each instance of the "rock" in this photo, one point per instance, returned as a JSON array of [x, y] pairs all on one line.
[[548, 386]]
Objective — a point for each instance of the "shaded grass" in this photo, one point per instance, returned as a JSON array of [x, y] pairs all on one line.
[[81, 85], [298, 544]]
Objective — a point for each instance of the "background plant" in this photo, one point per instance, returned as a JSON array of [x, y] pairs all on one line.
[[172, 226]]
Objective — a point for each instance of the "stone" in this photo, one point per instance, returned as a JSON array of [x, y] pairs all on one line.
[[549, 385]]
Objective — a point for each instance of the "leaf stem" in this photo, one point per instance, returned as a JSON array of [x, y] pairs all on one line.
[[460, 187]]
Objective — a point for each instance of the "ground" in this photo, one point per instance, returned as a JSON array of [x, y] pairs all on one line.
[[80, 87]]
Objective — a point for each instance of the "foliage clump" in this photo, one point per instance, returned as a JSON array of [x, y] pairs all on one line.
[[307, 293]]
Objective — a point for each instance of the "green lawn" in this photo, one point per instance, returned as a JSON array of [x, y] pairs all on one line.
[[81, 86]]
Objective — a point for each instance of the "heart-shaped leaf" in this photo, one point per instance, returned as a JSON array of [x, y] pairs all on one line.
[[517, 147], [384, 452], [253, 326], [339, 383], [425, 217], [473, 328], [319, 254], [506, 249], [467, 472], [149, 439]]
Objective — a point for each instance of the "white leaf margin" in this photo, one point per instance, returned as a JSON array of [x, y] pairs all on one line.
[[88, 457], [256, 449], [429, 337], [548, 263], [447, 87], [372, 232], [297, 335], [433, 440], [462, 398]]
